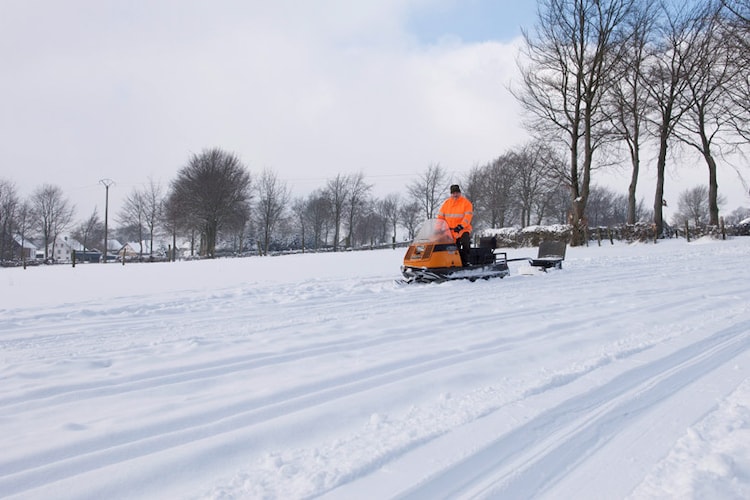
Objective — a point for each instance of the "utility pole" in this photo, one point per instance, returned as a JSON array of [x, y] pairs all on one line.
[[106, 183]]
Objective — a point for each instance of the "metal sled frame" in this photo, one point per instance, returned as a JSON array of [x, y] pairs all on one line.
[[550, 256]]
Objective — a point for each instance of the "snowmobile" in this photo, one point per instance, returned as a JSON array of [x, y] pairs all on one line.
[[433, 257]]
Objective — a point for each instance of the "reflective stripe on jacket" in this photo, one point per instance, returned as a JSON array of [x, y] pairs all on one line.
[[457, 211]]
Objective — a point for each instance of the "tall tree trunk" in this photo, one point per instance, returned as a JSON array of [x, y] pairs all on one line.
[[632, 202], [713, 191], [661, 165]]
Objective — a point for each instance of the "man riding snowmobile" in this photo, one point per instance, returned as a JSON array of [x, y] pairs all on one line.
[[458, 211]]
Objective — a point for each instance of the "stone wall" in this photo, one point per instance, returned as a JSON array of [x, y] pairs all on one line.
[[531, 236]]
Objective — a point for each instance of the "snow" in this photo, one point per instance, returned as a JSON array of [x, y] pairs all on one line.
[[624, 375]]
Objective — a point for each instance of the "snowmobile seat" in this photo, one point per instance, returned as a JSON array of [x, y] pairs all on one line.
[[479, 256], [488, 242], [551, 254]]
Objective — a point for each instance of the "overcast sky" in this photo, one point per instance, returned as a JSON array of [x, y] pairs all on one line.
[[129, 90]]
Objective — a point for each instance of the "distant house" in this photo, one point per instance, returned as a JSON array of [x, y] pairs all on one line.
[[23, 248], [142, 250], [113, 248], [62, 250], [113, 245], [130, 251]]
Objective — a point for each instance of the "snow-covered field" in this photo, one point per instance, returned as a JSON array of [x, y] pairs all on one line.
[[624, 375]]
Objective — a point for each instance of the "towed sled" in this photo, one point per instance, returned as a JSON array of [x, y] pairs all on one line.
[[433, 257]]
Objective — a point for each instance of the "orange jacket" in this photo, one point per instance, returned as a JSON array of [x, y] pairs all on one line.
[[457, 211]]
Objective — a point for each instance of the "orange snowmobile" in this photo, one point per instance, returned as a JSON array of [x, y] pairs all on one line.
[[433, 257]]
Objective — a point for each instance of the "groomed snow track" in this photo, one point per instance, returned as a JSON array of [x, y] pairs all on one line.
[[536, 456], [338, 384]]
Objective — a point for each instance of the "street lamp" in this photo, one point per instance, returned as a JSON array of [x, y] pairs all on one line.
[[106, 183]]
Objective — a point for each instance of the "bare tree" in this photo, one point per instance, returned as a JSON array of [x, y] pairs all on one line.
[[552, 206], [739, 8], [493, 187], [738, 215], [239, 227], [153, 206], [707, 121], [299, 210], [369, 225], [628, 99], [132, 218], [693, 206], [213, 189], [141, 213], [8, 206], [319, 217], [737, 41], [389, 209], [427, 190], [473, 188], [571, 62], [24, 224], [174, 220], [337, 192], [539, 172], [312, 218], [273, 197], [53, 214], [606, 207], [410, 219], [90, 230], [357, 199], [666, 81]]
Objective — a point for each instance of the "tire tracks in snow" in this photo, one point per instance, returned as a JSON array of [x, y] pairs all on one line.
[[236, 364], [57, 463], [539, 452]]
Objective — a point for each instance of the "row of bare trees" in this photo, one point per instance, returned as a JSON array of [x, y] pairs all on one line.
[[693, 209], [605, 74], [216, 204], [44, 216]]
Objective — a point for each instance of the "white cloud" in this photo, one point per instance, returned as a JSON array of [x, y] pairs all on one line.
[[310, 89], [128, 91]]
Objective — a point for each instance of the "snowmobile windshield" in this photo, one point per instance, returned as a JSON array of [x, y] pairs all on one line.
[[434, 231]]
